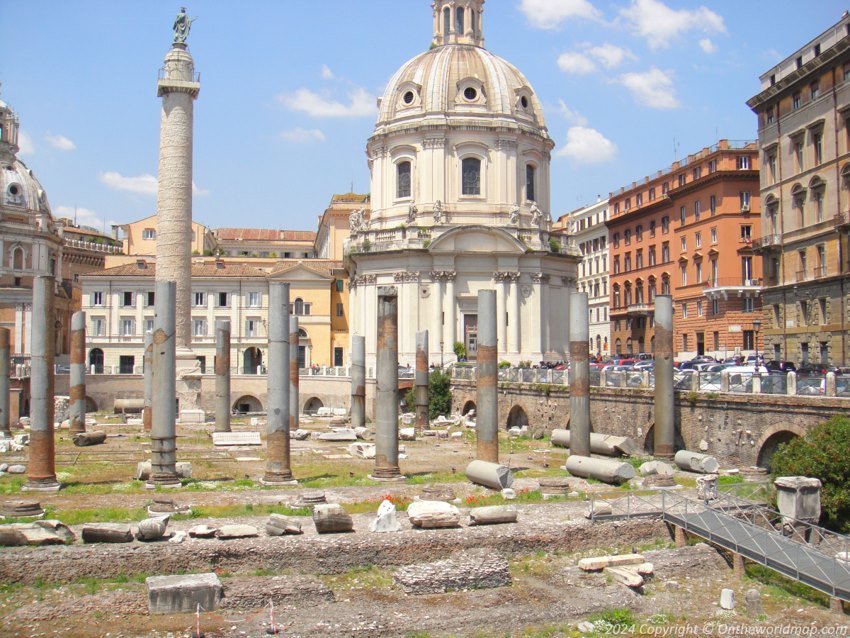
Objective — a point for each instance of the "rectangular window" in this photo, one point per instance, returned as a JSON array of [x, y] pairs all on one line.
[[698, 267], [652, 255], [639, 199], [221, 301], [652, 194], [639, 259], [698, 239], [253, 300], [639, 232], [682, 179], [697, 173], [628, 204], [199, 299], [665, 187], [747, 304], [199, 327], [616, 264], [149, 233], [148, 324], [823, 316], [340, 310], [699, 308], [402, 180], [697, 210], [817, 144], [714, 235], [616, 240], [814, 90], [684, 311], [126, 364], [529, 183], [685, 343], [743, 162], [715, 309], [683, 271], [665, 224], [652, 228], [338, 357], [796, 100], [127, 299], [771, 168], [627, 262], [627, 237], [746, 233], [252, 328], [682, 213], [150, 299], [744, 197], [777, 315], [798, 154], [712, 204], [471, 176], [98, 326], [770, 115], [97, 299], [684, 243], [128, 327], [665, 253], [749, 340], [340, 285]]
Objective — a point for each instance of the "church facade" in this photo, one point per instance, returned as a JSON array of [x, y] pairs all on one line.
[[460, 182]]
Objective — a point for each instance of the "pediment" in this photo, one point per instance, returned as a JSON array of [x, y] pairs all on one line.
[[298, 272], [477, 239]]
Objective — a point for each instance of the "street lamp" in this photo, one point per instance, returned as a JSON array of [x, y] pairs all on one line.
[[756, 328]]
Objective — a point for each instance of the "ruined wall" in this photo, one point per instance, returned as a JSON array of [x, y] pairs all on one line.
[[735, 428]]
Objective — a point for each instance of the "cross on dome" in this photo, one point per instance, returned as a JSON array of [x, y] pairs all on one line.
[[459, 22]]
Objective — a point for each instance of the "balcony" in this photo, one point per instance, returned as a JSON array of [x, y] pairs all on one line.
[[725, 287], [640, 309], [768, 242], [842, 221]]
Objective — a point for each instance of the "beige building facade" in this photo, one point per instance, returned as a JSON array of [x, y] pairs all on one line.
[[803, 112]]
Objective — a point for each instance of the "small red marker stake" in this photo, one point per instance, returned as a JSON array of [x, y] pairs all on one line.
[[273, 629]]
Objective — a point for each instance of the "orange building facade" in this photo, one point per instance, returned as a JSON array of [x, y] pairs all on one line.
[[688, 232]]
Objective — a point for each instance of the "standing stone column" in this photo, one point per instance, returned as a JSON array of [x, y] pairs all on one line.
[[386, 441], [278, 471], [78, 373], [5, 371], [178, 87], [294, 397], [358, 381], [41, 469], [421, 381], [665, 427], [486, 400], [147, 411], [222, 376], [164, 389], [579, 376]]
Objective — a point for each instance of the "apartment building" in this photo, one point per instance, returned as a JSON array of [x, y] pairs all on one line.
[[688, 232], [803, 112]]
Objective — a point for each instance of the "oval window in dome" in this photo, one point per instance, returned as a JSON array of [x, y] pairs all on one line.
[[524, 101], [408, 97], [470, 93]]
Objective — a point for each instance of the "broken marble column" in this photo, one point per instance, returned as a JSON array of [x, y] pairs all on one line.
[[664, 430], [77, 416], [386, 439], [605, 470], [331, 518], [358, 381], [277, 428], [147, 410], [696, 462], [421, 381], [222, 376], [492, 475], [385, 520], [579, 376], [294, 399], [487, 400], [5, 360], [707, 488], [183, 594], [163, 424], [492, 515], [41, 469]]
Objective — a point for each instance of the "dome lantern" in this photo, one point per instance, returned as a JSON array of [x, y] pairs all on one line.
[[459, 22]]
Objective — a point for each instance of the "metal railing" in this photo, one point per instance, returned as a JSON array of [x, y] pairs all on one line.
[[740, 521]]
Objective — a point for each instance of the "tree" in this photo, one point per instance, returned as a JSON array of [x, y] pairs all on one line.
[[823, 453], [439, 394]]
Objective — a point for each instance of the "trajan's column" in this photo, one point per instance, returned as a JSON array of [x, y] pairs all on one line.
[[178, 86]]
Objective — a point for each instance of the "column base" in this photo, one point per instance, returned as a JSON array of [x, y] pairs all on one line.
[[387, 474], [42, 486], [166, 481], [277, 482]]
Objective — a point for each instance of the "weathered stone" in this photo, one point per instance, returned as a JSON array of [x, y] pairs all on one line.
[[492, 475], [607, 470], [433, 514], [39, 536], [143, 470], [438, 493], [509, 494], [59, 528], [279, 525], [407, 434], [651, 468], [309, 498], [84, 439], [362, 450], [162, 506], [331, 518], [798, 497], [152, 529], [11, 536], [658, 481], [492, 515], [646, 569], [338, 434], [17, 469], [225, 439], [727, 599], [20, 509], [183, 594], [626, 576], [202, 531], [385, 520], [753, 600], [596, 563], [177, 537], [476, 569], [696, 462], [107, 533], [256, 593], [300, 435], [555, 485], [707, 488], [229, 532], [599, 508], [361, 432]]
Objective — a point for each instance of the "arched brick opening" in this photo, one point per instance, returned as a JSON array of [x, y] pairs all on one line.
[[469, 405], [649, 440], [246, 404], [312, 405], [772, 438], [517, 417]]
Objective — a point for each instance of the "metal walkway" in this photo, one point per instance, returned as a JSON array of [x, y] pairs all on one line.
[[801, 551]]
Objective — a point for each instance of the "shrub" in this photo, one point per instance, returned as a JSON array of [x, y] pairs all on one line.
[[460, 350], [554, 245], [504, 365], [439, 394], [822, 454]]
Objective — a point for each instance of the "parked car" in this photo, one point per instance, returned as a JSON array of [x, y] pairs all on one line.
[[812, 368], [781, 366], [646, 364], [703, 358], [643, 356], [406, 372]]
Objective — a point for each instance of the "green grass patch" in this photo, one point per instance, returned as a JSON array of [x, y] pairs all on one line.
[[522, 496], [12, 485], [783, 587], [248, 509], [371, 505], [435, 477], [99, 515], [370, 577], [730, 479]]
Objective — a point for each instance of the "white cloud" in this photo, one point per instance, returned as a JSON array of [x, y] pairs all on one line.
[[327, 74], [660, 24], [362, 104], [653, 88], [610, 55], [302, 136], [571, 116], [587, 146], [60, 142], [84, 217], [144, 184], [550, 14], [575, 64], [200, 192], [707, 46], [25, 145]]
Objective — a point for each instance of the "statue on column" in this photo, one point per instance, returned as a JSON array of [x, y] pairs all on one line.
[[182, 25]]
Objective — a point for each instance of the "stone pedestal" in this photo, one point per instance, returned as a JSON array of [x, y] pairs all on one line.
[[798, 497]]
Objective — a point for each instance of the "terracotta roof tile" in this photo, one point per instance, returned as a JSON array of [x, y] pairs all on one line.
[[198, 270]]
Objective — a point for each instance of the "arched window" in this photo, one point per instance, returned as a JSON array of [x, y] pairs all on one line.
[[530, 174], [627, 296], [616, 295], [639, 293], [459, 21], [403, 180], [618, 346], [471, 176], [447, 22], [665, 285], [474, 23], [18, 258], [299, 306]]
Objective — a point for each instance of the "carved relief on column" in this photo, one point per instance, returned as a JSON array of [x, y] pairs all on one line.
[[370, 279], [539, 277], [500, 277], [569, 282]]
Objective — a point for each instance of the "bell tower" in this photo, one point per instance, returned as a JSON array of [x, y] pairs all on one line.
[[459, 22]]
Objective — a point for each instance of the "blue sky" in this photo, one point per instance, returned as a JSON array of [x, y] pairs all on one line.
[[288, 92]]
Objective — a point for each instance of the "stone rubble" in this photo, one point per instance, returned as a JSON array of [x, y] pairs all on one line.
[[474, 569]]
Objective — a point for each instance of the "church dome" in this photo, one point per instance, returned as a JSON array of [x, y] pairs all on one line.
[[460, 81], [20, 191]]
